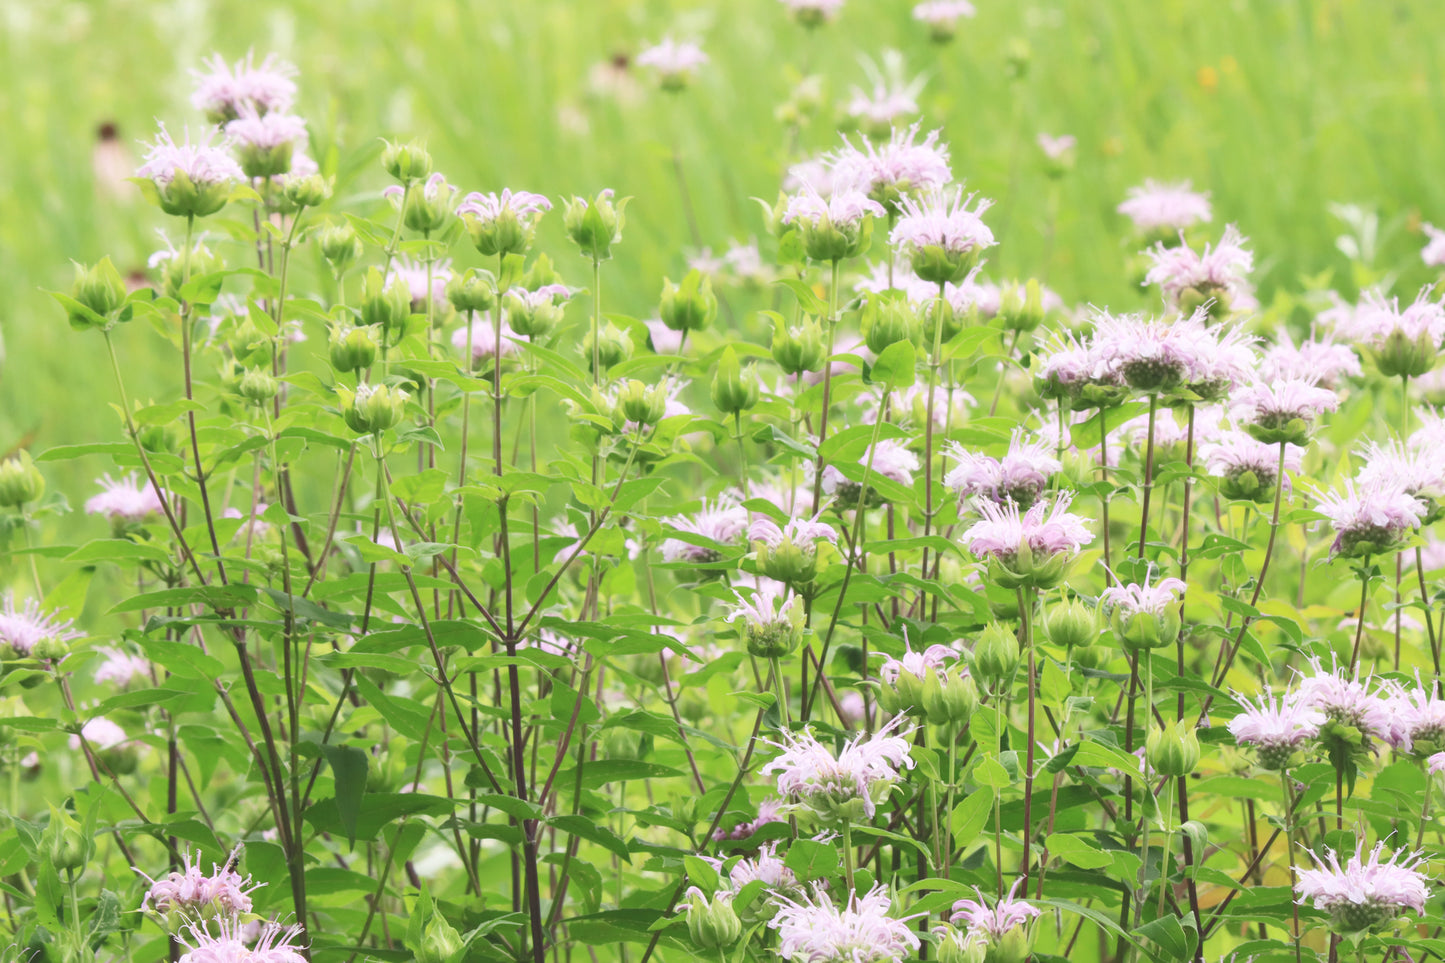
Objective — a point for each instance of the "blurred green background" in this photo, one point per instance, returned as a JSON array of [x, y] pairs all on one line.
[[1277, 107]]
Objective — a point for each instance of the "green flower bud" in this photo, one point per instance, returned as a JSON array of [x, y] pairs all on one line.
[[689, 306], [174, 269], [257, 386], [1021, 310], [1027, 568], [533, 314], [1248, 485], [950, 698], [614, 347], [887, 321], [406, 162], [594, 225], [426, 209], [440, 942], [352, 349], [799, 348], [712, 923], [733, 390], [937, 264], [264, 160], [1172, 750], [540, 274], [100, 289], [310, 191], [371, 409], [248, 345], [340, 246], [159, 438], [1400, 356], [996, 655], [20, 481], [1013, 947], [960, 946], [52, 648], [1071, 624], [64, 844], [471, 291], [387, 306], [827, 240], [641, 404], [184, 197]]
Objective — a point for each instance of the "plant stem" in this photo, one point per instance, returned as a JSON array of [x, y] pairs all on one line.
[[1148, 474], [1026, 603], [827, 387], [935, 352]]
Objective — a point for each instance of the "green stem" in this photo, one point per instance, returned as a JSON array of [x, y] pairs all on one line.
[[1148, 474], [827, 386], [848, 855], [1289, 849], [1168, 840], [935, 352]]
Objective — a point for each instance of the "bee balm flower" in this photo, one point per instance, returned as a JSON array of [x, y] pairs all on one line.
[[897, 167], [192, 895], [1403, 343], [942, 17], [502, 223], [1370, 519], [1163, 210], [124, 500], [226, 90], [1365, 893], [1033, 548], [816, 931], [772, 631], [1002, 921], [1279, 412], [845, 787], [1019, 477], [191, 180], [1144, 616], [676, 63], [1189, 278], [790, 553], [1275, 727], [836, 228], [943, 234], [27, 628]]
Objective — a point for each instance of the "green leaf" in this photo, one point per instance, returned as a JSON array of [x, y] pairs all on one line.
[[348, 767], [897, 366], [807, 297], [810, 859], [377, 810], [584, 828], [597, 774], [1077, 850]]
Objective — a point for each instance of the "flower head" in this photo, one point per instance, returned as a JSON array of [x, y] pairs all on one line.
[[816, 931], [894, 168], [1281, 411], [835, 228], [190, 179], [1318, 358], [675, 63], [1375, 319], [1165, 209], [1345, 700], [193, 895], [224, 90], [943, 233], [789, 553], [997, 920], [415, 275], [1365, 892], [224, 941], [124, 500], [1191, 277], [1020, 476], [846, 786], [22, 629], [1030, 548], [1275, 726], [721, 521], [1249, 467], [481, 334], [1369, 519], [120, 669], [889, 459], [1144, 616], [1433, 253], [1415, 469]]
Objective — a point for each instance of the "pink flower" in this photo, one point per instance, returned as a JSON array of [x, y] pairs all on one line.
[[897, 166], [1275, 727], [1003, 532], [482, 333], [204, 165], [942, 12], [100, 733], [722, 521], [1056, 147], [1375, 319], [1434, 252], [274, 944], [226, 90], [1222, 268], [884, 104], [21, 629], [266, 131], [664, 339], [1145, 599], [1274, 404], [1364, 892], [816, 931], [194, 895], [796, 530], [1417, 715], [1344, 699], [1436, 763], [1150, 354], [1318, 358], [850, 783], [1020, 476], [675, 63], [124, 500], [889, 458], [943, 219], [1069, 362], [1157, 208], [1236, 453], [1371, 518], [767, 868], [769, 811], [414, 275], [995, 921], [121, 668], [843, 208], [1415, 469]]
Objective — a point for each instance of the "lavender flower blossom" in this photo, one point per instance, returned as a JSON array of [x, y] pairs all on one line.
[[191, 180], [1249, 468], [1190, 278], [191, 894], [1318, 358], [1033, 548], [226, 90], [1019, 477], [817, 931], [1007, 913], [124, 500], [889, 459], [848, 786], [1281, 411], [676, 63], [1433, 253], [1364, 893], [274, 944], [1370, 519], [943, 233], [1275, 727], [1345, 701], [722, 521], [22, 629], [1165, 209], [897, 167], [120, 669]]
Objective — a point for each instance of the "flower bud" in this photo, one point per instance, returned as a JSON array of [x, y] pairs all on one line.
[[887, 321], [352, 349], [471, 291], [371, 409], [1145, 630], [52, 648], [950, 697], [614, 346], [340, 246], [174, 269], [540, 274], [1172, 750], [387, 306], [100, 289], [310, 191], [799, 348], [712, 924], [64, 844], [159, 438], [594, 225], [183, 197], [406, 162], [959, 946], [1071, 624], [257, 386], [937, 264], [689, 306], [733, 390], [1401, 356], [440, 942], [996, 655], [427, 209], [825, 240], [248, 345], [1021, 311], [640, 404], [20, 481], [532, 317]]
